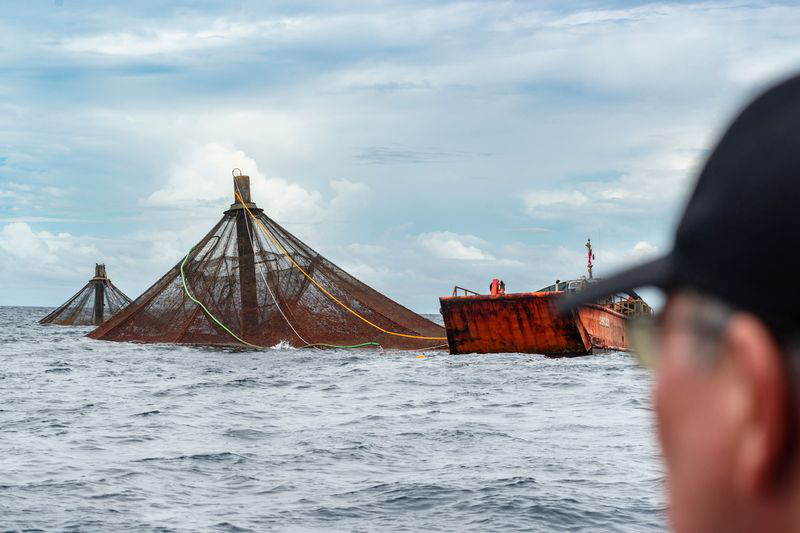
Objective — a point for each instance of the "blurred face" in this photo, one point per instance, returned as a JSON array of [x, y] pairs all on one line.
[[691, 394]]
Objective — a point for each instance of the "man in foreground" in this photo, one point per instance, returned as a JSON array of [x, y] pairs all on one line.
[[726, 346]]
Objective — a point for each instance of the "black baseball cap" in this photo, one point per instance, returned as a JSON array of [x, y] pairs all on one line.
[[738, 239]]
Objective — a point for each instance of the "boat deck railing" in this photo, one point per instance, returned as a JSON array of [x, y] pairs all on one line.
[[629, 307], [466, 292]]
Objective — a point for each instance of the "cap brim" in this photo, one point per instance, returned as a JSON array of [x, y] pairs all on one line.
[[656, 273]]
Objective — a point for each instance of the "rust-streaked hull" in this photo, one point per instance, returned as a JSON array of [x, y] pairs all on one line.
[[529, 323]]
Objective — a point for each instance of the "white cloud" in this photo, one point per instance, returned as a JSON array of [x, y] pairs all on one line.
[[200, 186], [26, 195], [534, 201], [624, 50], [202, 178], [347, 195], [447, 245], [61, 254], [387, 24], [161, 248], [643, 249], [147, 41], [20, 242], [655, 181]]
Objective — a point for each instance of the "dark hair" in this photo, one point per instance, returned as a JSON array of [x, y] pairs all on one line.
[[785, 332]]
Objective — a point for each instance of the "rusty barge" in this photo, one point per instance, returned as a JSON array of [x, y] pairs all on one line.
[[529, 322]]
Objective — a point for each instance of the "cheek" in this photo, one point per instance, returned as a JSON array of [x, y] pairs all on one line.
[[678, 392], [685, 402], [668, 404], [684, 407], [673, 378]]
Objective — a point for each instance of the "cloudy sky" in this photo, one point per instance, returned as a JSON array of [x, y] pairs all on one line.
[[417, 144]]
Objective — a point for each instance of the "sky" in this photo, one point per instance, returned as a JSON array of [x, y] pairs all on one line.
[[418, 145]]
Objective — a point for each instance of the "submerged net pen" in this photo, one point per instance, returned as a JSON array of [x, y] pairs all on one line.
[[251, 283]]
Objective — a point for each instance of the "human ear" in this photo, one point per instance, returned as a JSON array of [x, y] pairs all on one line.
[[761, 398]]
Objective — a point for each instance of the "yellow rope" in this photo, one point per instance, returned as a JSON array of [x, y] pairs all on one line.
[[320, 287]]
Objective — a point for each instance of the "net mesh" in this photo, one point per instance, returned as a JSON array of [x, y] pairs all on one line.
[[254, 294], [98, 300]]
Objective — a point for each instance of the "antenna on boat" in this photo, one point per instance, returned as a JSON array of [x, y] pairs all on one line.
[[590, 256]]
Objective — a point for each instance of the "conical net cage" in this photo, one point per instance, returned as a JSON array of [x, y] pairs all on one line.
[[97, 301], [249, 282]]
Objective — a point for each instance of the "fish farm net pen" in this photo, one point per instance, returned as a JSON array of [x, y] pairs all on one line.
[[98, 300], [249, 282]]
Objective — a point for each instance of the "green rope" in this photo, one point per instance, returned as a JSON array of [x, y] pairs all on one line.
[[203, 307], [342, 347], [232, 334]]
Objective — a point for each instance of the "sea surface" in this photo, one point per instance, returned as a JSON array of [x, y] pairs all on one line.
[[103, 436]]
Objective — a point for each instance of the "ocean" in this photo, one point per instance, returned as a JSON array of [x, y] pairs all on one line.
[[103, 436]]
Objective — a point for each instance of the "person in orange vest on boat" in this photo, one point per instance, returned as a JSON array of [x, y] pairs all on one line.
[[497, 286], [494, 287], [725, 347]]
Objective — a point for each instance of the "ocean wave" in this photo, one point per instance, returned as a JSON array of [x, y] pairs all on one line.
[[107, 436]]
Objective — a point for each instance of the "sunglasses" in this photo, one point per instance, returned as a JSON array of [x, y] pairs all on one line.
[[707, 321], [645, 333]]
